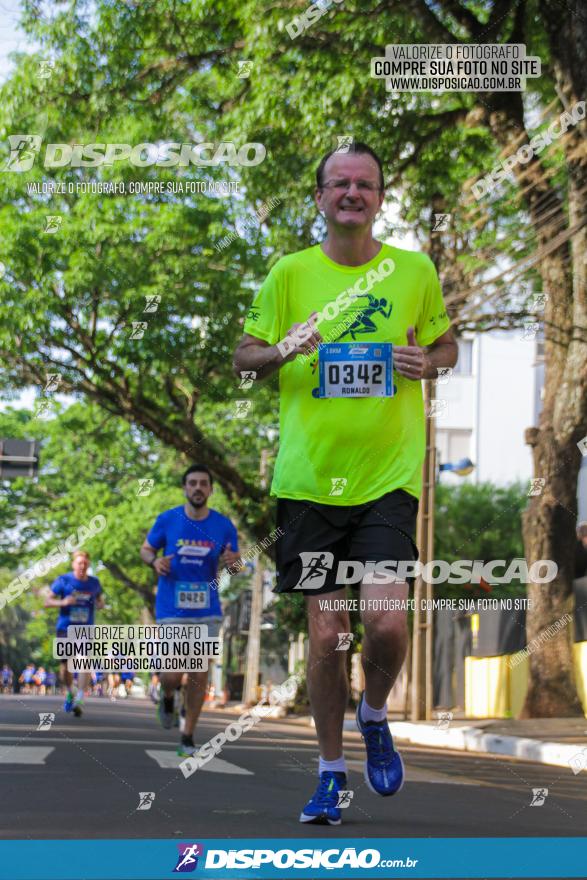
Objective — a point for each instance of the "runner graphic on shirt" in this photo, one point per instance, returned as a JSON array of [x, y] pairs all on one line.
[[363, 322]]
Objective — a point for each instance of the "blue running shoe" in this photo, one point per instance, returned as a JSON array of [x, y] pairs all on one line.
[[322, 807], [384, 768], [68, 705]]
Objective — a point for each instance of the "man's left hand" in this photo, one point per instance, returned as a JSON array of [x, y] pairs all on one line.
[[410, 360], [229, 557]]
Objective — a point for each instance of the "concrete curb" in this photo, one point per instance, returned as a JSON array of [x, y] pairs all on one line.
[[471, 739]]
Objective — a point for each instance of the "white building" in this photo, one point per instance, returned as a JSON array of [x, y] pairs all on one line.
[[493, 395]]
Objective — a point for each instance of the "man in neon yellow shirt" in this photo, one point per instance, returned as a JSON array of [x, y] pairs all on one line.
[[353, 326]]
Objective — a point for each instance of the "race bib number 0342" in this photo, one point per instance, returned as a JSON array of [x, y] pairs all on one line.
[[349, 369]]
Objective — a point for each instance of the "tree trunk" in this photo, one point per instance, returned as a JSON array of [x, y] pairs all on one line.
[[549, 533], [549, 521]]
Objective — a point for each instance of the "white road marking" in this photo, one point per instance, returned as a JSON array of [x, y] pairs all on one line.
[[258, 746], [171, 761], [25, 754]]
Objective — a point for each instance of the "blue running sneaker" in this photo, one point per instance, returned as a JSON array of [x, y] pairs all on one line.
[[322, 807], [384, 768], [68, 705]]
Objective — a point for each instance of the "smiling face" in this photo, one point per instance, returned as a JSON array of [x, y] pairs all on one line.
[[80, 565], [197, 488], [354, 207]]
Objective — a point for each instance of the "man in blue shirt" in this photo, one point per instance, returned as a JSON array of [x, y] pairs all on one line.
[[195, 540], [77, 595], [7, 679], [26, 678]]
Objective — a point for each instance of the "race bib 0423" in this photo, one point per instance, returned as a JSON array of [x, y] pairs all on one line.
[[349, 369]]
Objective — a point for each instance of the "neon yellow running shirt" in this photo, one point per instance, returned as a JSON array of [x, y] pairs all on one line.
[[348, 451]]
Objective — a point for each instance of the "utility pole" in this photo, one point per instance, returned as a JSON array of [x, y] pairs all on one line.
[[422, 647], [254, 640], [422, 644]]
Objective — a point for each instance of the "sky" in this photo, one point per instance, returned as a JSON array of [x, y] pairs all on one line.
[[11, 37]]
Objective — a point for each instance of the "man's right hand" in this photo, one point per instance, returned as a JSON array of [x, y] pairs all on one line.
[[302, 338], [263, 359], [69, 600], [162, 564]]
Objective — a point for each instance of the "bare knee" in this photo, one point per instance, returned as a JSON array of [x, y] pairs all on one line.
[[387, 630], [325, 633]]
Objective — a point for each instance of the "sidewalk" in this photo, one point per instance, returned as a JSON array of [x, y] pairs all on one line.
[[560, 742]]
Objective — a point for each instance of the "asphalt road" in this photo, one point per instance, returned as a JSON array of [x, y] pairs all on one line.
[[82, 778]]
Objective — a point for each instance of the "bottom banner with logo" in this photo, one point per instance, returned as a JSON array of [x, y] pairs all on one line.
[[482, 857]]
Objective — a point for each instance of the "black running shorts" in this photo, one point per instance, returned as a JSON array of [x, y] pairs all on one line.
[[316, 537]]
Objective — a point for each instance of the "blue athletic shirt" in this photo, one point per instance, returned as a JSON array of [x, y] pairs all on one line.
[[196, 545], [86, 593]]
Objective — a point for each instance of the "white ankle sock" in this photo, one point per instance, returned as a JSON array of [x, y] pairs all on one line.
[[338, 766], [370, 714]]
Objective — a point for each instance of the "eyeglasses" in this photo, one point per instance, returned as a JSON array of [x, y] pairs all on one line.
[[345, 185]]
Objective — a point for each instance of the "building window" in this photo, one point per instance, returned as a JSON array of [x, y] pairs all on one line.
[[464, 365]]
